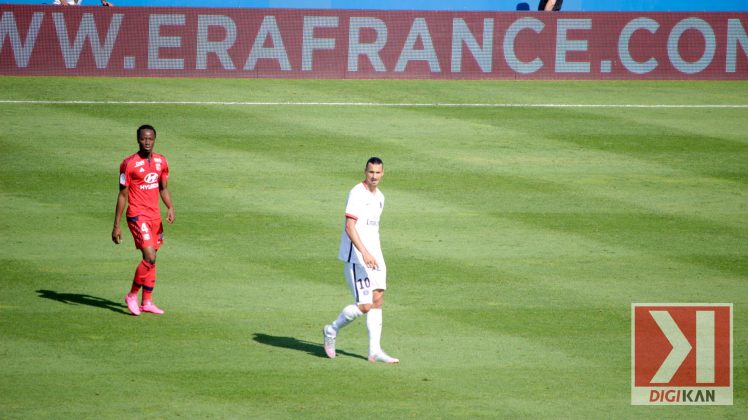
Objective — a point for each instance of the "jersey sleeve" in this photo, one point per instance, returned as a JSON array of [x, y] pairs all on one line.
[[123, 178], [353, 208]]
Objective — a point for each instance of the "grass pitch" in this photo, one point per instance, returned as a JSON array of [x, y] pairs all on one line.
[[516, 240]]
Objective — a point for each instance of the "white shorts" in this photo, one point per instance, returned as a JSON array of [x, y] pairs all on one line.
[[363, 281]]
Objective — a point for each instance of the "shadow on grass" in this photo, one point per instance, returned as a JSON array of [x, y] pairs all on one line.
[[315, 349], [80, 299]]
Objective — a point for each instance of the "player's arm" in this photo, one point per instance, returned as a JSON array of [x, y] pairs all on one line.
[[166, 198], [549, 5], [121, 202], [350, 230]]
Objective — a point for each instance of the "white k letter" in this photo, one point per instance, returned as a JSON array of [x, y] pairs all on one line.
[[681, 347]]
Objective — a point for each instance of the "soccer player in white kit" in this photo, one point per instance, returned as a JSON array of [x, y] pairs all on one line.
[[365, 270]]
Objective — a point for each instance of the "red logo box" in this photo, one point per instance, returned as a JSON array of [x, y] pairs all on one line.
[[681, 354]]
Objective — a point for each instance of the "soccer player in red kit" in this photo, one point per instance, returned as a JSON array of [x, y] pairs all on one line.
[[143, 179]]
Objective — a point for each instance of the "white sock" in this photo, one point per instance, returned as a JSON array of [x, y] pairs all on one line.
[[347, 315], [374, 324]]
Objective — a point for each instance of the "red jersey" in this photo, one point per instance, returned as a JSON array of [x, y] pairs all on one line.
[[142, 178]]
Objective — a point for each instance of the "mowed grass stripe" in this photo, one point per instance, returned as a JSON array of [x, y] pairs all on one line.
[[396, 91], [377, 104]]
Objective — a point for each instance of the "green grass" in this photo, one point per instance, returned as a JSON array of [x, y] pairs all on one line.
[[516, 241]]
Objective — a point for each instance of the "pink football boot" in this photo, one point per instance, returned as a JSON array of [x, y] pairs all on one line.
[[150, 307], [131, 299]]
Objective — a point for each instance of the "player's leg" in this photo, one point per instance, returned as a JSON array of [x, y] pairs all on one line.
[[155, 240], [362, 298], [148, 236], [374, 323], [374, 319], [141, 271], [149, 281]]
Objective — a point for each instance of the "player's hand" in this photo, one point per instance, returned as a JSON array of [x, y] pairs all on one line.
[[170, 217], [116, 235], [370, 261]]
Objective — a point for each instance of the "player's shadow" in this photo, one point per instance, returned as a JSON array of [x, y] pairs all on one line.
[[81, 299], [314, 349]]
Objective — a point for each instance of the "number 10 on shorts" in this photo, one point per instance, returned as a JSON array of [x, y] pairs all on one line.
[[681, 354]]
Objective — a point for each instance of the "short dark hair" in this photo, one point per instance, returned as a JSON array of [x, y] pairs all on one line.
[[145, 127], [374, 161]]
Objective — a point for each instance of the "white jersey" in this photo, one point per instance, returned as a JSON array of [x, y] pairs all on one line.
[[69, 2], [366, 208]]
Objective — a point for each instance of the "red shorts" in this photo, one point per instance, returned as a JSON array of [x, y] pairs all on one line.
[[146, 232]]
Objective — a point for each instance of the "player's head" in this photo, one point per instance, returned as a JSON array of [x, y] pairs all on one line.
[[373, 172], [146, 139], [145, 127]]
